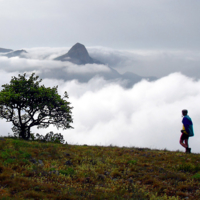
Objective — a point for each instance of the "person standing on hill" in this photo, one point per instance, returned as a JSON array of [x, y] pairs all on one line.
[[187, 131]]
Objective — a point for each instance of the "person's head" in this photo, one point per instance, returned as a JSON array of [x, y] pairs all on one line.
[[184, 112]]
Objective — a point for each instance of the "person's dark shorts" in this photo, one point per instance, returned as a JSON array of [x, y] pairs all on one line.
[[184, 136]]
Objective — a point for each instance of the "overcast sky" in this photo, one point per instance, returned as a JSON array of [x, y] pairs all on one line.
[[127, 24], [147, 37]]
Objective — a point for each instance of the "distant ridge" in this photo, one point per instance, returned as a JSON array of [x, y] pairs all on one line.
[[79, 55], [2, 50], [15, 53]]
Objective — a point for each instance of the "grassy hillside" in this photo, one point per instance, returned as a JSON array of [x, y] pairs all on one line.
[[41, 170]]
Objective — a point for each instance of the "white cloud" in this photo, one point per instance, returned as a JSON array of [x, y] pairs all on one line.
[[150, 62], [142, 62], [147, 115], [5, 77], [87, 69], [47, 65], [49, 53]]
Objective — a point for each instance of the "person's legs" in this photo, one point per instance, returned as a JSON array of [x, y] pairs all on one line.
[[188, 150], [186, 142], [181, 141], [183, 144]]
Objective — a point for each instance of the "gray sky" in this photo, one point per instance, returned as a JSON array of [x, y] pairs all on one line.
[[127, 24]]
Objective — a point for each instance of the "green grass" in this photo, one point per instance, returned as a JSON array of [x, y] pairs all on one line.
[[95, 172], [196, 176]]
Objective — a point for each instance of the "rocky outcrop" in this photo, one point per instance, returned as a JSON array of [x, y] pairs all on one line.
[[79, 55]]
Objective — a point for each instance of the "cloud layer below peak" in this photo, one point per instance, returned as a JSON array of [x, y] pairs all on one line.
[[148, 114]]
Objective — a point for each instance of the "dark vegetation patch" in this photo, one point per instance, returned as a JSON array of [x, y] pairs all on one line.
[[52, 170]]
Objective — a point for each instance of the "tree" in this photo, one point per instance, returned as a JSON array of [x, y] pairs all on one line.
[[26, 104]]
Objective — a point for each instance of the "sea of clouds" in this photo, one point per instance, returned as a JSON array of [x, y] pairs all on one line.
[[146, 115]]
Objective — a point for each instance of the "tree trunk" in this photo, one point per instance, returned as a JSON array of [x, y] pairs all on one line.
[[28, 133], [25, 132]]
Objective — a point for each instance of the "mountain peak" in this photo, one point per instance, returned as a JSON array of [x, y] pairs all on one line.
[[78, 45], [79, 55], [78, 51]]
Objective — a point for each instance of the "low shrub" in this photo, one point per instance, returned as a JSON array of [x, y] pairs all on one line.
[[133, 162], [50, 137], [68, 171], [196, 176]]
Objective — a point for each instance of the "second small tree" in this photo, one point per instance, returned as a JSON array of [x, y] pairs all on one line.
[[26, 103]]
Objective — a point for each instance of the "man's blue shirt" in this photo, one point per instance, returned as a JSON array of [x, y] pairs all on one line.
[[187, 122]]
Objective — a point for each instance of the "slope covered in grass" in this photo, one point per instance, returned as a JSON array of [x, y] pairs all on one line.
[[45, 170]]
